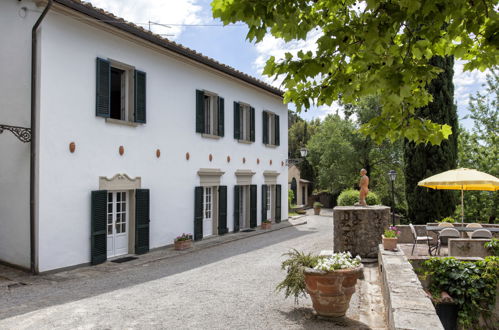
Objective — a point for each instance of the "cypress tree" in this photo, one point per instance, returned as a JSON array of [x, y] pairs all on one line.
[[422, 161]]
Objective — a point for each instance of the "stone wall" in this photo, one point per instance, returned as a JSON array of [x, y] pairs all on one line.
[[406, 303], [467, 247], [358, 229]]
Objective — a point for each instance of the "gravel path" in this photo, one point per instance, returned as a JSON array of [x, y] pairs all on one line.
[[230, 286]]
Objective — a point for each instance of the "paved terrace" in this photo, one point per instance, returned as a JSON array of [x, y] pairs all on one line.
[[223, 282]]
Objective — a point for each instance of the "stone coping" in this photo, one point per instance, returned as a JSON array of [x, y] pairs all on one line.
[[406, 303]]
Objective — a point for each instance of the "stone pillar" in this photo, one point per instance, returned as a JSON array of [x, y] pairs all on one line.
[[358, 229]]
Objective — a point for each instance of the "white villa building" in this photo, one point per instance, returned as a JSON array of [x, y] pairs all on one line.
[[132, 140]]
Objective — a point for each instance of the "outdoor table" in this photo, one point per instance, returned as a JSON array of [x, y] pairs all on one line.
[[462, 229], [459, 229]]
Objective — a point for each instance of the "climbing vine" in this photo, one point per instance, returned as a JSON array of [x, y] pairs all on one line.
[[472, 285]]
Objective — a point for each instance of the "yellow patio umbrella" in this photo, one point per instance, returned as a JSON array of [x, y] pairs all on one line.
[[461, 179]]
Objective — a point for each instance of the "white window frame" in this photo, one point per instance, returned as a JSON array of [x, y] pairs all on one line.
[[208, 203], [271, 128], [245, 122], [210, 113]]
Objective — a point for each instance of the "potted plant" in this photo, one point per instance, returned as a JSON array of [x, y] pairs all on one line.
[[390, 238], [317, 208], [329, 280], [183, 242], [266, 224]]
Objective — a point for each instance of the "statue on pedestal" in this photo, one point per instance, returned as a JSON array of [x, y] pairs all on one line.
[[364, 187]]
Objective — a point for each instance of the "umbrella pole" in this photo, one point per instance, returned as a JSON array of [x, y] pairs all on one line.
[[462, 204]]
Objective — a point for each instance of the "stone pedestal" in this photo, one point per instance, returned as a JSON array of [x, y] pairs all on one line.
[[358, 229]]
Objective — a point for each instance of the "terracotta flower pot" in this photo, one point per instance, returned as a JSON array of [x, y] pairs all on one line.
[[389, 243], [331, 291], [183, 245], [266, 225], [317, 210]]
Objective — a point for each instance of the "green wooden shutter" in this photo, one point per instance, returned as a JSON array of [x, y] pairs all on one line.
[[103, 89], [264, 201], [276, 131], [253, 205], [199, 111], [221, 116], [222, 210], [278, 203], [265, 121], [141, 221], [139, 113], [98, 223], [237, 122], [236, 208], [252, 124], [198, 213]]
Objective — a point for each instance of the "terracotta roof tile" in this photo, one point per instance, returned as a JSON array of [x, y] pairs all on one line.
[[120, 23]]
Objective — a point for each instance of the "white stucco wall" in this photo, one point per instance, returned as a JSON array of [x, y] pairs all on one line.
[[69, 50], [15, 72]]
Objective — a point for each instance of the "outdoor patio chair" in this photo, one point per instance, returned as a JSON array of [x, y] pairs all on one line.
[[418, 239], [481, 233], [446, 224], [472, 225], [445, 234]]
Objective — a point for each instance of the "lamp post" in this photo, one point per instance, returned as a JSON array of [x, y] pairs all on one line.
[[393, 175], [303, 154]]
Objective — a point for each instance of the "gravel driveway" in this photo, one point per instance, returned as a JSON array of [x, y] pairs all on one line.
[[229, 286]]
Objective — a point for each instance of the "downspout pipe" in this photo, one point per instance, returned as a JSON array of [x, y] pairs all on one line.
[[33, 151]]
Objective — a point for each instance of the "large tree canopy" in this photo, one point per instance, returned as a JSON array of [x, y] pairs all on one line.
[[372, 47]]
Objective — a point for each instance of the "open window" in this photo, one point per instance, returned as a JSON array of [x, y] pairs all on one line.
[[244, 122], [120, 92], [271, 135], [209, 114]]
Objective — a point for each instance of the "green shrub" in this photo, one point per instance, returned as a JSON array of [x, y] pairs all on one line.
[[350, 197], [291, 195], [472, 285], [318, 205], [447, 219]]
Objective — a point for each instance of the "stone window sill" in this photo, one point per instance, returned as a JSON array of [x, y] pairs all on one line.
[[245, 141], [271, 146], [122, 122], [210, 136]]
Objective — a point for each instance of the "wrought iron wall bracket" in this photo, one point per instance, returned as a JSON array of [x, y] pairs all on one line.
[[22, 133]]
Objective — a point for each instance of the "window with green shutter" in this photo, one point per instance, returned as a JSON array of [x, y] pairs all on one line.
[[142, 221], [103, 88], [244, 122], [253, 205], [98, 223], [120, 92], [198, 213], [271, 131], [278, 203], [236, 208], [210, 114], [222, 210], [140, 97], [237, 120], [265, 127]]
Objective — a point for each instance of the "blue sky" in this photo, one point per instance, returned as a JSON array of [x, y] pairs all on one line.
[[229, 45]]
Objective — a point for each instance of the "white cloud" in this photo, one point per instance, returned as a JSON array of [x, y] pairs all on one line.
[[271, 46], [466, 84], [161, 11]]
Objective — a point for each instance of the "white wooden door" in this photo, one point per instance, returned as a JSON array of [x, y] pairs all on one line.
[[117, 223], [208, 211], [269, 201]]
